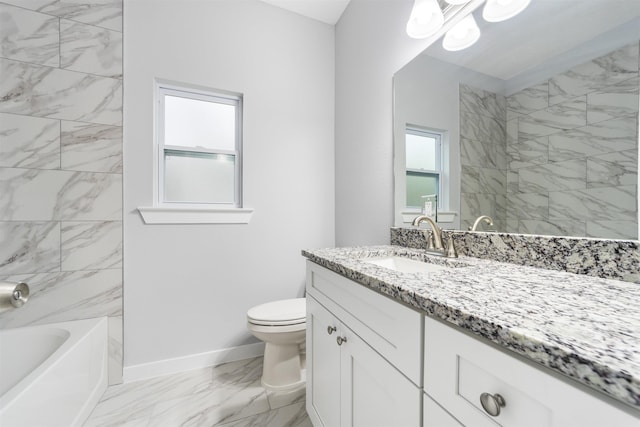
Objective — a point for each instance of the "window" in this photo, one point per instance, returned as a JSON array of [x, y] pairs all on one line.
[[423, 150], [199, 146], [198, 157]]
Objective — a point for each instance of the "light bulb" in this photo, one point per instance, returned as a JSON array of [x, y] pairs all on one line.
[[464, 34], [501, 10], [425, 20]]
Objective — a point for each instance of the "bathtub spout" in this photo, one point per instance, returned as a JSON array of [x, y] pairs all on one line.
[[13, 295]]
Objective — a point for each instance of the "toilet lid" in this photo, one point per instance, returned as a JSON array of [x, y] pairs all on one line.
[[283, 312]]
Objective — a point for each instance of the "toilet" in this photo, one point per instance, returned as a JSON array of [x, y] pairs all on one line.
[[282, 326]]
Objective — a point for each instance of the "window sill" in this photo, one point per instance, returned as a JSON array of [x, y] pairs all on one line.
[[195, 215], [443, 216]]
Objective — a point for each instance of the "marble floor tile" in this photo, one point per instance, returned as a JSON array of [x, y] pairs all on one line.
[[280, 399], [287, 416], [136, 400], [218, 405], [225, 395]]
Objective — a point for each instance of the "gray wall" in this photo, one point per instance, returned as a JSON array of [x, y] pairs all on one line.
[[188, 287], [61, 162], [371, 45]]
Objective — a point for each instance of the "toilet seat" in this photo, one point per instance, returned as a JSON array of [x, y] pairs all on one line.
[[279, 313]]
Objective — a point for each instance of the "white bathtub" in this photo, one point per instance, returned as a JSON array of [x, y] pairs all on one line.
[[52, 375]]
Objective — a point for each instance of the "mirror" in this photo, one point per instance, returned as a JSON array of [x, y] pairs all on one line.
[[538, 119]]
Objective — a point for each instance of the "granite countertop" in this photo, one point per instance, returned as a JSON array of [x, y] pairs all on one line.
[[584, 327]]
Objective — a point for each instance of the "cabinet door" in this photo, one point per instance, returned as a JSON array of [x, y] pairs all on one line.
[[435, 416], [323, 366], [373, 392], [459, 369]]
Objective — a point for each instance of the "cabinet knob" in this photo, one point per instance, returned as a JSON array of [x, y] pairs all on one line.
[[341, 340], [331, 329], [491, 403]]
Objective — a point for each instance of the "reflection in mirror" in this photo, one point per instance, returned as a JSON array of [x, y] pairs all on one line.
[[539, 121]]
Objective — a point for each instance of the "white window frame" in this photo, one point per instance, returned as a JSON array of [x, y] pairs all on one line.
[[438, 137], [164, 212]]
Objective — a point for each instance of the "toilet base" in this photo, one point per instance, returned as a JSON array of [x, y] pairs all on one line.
[[283, 367], [286, 387]]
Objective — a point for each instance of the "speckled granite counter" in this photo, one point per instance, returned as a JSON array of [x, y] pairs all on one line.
[[584, 327]]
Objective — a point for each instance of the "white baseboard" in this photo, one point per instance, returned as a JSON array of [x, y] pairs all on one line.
[[192, 361]]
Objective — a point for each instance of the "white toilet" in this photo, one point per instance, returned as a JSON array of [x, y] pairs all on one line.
[[281, 325]]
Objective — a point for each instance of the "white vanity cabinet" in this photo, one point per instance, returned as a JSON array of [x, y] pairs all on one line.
[[349, 380], [374, 362], [459, 368]]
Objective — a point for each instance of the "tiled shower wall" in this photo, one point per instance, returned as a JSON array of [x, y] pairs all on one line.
[[570, 167], [483, 156], [61, 162]]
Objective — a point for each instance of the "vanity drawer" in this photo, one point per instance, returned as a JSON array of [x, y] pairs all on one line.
[[390, 328], [459, 368]]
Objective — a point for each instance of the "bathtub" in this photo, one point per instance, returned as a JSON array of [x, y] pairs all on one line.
[[52, 375]]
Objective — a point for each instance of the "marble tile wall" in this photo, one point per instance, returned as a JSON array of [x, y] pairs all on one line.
[[572, 151], [61, 162], [483, 156], [568, 162]]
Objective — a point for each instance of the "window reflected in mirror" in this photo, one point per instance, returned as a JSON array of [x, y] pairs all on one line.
[[423, 161]]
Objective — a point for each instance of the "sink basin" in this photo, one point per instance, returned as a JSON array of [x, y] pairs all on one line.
[[406, 265]]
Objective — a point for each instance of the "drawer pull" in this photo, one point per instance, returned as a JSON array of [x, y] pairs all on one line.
[[341, 340], [331, 329], [491, 403]]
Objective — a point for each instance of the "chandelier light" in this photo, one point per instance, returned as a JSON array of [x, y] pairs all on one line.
[[501, 10], [462, 35], [425, 20]]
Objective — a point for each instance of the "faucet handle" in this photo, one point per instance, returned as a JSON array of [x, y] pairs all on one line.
[[431, 245], [451, 247]]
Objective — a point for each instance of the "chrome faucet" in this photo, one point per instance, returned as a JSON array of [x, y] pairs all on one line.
[[484, 218]]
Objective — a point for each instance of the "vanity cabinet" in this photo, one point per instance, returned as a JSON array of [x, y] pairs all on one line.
[[459, 369], [355, 342], [348, 383], [372, 361]]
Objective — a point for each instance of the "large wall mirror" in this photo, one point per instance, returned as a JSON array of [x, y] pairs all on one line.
[[537, 122]]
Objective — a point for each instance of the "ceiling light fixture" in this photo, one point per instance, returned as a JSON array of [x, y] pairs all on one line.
[[462, 35], [501, 10], [425, 20]]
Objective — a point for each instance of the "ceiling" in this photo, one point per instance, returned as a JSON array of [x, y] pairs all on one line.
[[327, 11], [546, 29]]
